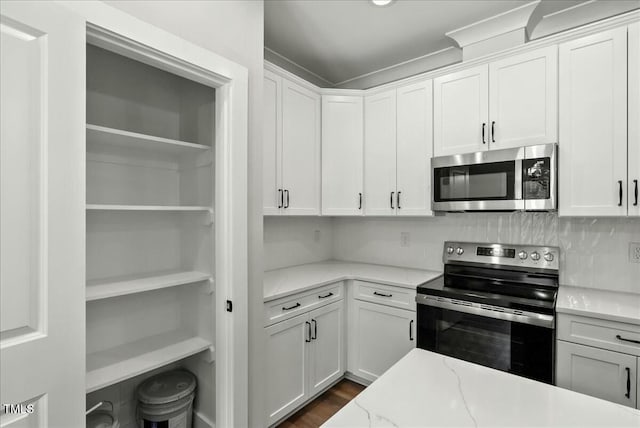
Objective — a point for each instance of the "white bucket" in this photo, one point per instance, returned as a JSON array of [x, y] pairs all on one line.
[[166, 400]]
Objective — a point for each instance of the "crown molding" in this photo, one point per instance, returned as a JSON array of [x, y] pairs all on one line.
[[621, 20], [506, 22]]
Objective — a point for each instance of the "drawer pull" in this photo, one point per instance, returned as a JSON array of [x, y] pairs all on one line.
[[325, 296], [297, 305], [627, 340], [381, 294], [628, 394]]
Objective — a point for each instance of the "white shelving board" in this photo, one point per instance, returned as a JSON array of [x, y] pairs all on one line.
[[113, 207], [104, 289], [114, 365], [118, 137]]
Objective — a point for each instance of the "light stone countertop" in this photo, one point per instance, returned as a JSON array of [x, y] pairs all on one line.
[[287, 281], [425, 389], [602, 304]]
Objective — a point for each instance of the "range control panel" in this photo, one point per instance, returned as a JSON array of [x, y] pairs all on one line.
[[541, 257]]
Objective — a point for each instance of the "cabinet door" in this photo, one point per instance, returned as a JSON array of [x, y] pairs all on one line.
[[286, 368], [523, 99], [327, 354], [414, 149], [593, 125], [42, 214], [272, 144], [380, 153], [634, 120], [604, 374], [381, 335], [300, 150], [460, 112], [342, 145]]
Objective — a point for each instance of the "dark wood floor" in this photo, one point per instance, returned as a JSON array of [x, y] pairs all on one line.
[[322, 408]]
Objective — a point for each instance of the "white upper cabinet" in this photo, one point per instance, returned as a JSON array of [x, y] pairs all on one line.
[[291, 148], [523, 99], [507, 103], [380, 153], [634, 120], [342, 149], [397, 149], [300, 150], [414, 139], [593, 125], [460, 116], [272, 144]]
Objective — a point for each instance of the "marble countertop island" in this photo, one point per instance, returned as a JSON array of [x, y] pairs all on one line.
[[286, 281], [425, 389]]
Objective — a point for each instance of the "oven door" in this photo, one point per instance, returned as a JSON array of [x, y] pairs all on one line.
[[478, 181], [503, 341]]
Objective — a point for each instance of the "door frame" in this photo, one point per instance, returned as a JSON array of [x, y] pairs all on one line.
[[124, 34]]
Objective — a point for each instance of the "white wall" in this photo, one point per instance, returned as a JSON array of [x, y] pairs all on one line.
[[235, 30], [291, 241], [594, 252]]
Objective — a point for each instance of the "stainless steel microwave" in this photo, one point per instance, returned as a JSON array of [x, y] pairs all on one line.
[[518, 179]]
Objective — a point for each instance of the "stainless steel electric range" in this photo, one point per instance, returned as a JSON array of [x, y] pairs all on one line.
[[495, 306]]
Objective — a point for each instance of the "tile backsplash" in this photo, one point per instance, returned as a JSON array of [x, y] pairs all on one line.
[[594, 251]]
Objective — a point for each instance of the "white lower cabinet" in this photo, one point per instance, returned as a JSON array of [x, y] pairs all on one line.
[[598, 357], [305, 354], [380, 336], [597, 372]]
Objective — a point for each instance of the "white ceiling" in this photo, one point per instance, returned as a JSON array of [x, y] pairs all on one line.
[[339, 40]]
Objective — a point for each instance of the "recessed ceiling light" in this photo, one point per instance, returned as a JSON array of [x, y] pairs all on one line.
[[381, 2]]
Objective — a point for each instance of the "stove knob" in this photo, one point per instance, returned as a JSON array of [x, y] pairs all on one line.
[[548, 257], [535, 256], [522, 255], [449, 250], [459, 251]]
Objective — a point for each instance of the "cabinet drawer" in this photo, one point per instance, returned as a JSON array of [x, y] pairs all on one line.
[[290, 306], [398, 297], [600, 333]]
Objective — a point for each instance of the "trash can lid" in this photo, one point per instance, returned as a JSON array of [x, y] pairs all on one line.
[[167, 387], [99, 420]]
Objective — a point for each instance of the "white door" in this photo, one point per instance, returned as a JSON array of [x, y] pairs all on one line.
[[593, 125], [342, 151], [327, 346], [42, 122], [272, 144], [634, 121], [414, 149], [287, 356], [604, 374], [523, 99], [460, 112], [382, 335], [380, 153], [300, 150]]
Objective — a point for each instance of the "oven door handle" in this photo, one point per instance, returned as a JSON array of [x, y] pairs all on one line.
[[540, 320]]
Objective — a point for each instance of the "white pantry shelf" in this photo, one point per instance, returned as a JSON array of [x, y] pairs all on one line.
[[113, 207], [103, 135], [105, 289], [114, 365]]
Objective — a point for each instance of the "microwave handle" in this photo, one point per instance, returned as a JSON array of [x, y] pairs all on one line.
[[518, 181]]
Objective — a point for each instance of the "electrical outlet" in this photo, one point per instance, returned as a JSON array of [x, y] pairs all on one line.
[[634, 252], [316, 235], [405, 239]]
